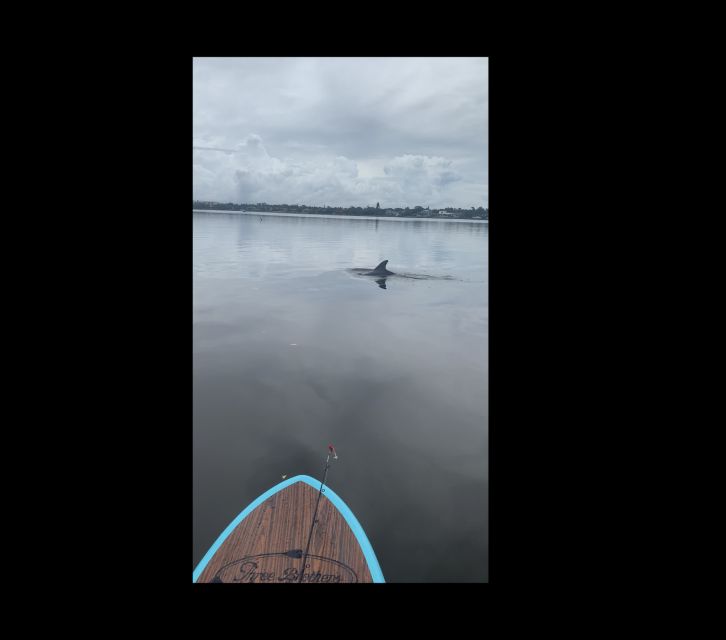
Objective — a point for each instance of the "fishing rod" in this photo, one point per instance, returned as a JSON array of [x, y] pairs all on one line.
[[331, 450]]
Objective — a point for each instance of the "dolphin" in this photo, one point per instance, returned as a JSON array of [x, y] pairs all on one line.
[[380, 270]]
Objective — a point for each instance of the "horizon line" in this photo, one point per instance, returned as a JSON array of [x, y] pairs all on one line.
[[335, 206]]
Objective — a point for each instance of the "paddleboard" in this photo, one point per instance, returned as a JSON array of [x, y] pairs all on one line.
[[274, 540]]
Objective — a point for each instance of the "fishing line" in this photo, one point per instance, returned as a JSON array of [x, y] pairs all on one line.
[[331, 449]]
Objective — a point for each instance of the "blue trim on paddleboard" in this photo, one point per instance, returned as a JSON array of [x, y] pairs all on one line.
[[343, 508]]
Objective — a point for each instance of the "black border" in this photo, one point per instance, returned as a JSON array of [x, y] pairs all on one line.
[[542, 341]]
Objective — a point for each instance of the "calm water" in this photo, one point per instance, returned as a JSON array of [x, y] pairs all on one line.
[[292, 351]]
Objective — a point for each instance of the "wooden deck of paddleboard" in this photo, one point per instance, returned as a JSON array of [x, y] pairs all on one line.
[[268, 545]]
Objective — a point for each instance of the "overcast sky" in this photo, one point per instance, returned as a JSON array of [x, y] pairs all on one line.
[[342, 131]]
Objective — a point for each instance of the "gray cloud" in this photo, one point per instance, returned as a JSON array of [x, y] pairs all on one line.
[[348, 131]]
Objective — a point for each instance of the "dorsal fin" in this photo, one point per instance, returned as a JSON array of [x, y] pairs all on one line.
[[380, 270]]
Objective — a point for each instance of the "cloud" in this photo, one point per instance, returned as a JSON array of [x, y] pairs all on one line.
[[349, 131], [435, 171], [248, 173]]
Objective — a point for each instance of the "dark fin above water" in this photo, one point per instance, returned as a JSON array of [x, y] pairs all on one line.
[[380, 270]]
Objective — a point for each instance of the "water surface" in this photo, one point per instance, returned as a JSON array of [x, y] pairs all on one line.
[[293, 349]]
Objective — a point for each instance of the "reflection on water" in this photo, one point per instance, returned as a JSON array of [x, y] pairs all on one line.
[[294, 349]]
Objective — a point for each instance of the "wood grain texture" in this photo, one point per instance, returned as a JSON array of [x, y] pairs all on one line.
[[268, 545]]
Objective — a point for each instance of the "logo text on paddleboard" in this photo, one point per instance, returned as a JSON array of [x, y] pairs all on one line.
[[270, 567]]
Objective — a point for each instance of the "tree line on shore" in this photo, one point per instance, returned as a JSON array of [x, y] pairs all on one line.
[[473, 213]]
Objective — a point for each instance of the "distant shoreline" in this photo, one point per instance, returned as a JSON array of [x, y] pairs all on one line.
[[338, 216]]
